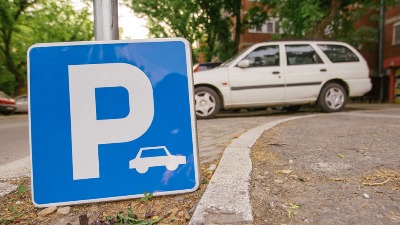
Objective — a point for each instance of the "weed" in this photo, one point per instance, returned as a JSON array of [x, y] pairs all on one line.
[[292, 208], [131, 218], [146, 197], [15, 214], [21, 189]]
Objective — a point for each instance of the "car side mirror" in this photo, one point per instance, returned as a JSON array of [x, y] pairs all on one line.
[[244, 63]]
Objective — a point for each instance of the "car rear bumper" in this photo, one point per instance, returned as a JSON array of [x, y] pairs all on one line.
[[359, 87]]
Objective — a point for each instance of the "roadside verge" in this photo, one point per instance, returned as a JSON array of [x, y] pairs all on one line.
[[227, 198]]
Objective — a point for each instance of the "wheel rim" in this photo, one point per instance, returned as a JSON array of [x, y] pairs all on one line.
[[204, 103], [334, 98]]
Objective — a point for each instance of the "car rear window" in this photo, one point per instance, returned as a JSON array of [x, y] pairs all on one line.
[[339, 53]]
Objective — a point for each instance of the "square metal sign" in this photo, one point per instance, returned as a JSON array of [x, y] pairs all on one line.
[[111, 120]]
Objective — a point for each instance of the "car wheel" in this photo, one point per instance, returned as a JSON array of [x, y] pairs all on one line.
[[142, 169], [7, 113], [293, 108], [207, 102], [172, 166], [332, 98]]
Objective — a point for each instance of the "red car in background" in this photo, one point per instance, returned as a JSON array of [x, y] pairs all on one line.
[[7, 104]]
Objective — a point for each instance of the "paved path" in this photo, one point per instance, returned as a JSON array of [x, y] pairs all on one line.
[[214, 136], [226, 199], [14, 138]]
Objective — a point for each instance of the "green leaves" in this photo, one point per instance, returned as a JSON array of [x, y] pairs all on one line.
[[207, 22], [132, 219], [292, 208], [21, 189], [26, 22], [323, 18], [146, 197]]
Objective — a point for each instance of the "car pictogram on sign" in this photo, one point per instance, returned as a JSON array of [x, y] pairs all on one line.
[[142, 164]]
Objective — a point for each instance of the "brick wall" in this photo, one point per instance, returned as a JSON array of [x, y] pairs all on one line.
[[392, 17]]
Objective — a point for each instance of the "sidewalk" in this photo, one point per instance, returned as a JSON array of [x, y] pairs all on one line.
[[309, 170], [279, 168]]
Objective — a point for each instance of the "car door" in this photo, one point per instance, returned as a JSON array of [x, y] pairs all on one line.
[[261, 81], [304, 72]]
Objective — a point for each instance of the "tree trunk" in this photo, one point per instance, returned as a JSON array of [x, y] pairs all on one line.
[[19, 80], [238, 29], [318, 32]]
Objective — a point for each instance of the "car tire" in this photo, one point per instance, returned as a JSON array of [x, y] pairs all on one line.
[[207, 102], [7, 113], [332, 98]]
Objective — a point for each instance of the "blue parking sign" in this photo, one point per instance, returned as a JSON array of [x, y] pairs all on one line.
[[111, 120]]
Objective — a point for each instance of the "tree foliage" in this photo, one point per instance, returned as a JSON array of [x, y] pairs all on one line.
[[322, 19], [25, 22], [211, 22]]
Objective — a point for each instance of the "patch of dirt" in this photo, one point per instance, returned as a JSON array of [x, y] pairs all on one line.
[[17, 207], [327, 170]]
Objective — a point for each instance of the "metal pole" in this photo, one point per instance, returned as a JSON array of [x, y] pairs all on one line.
[[105, 20], [381, 46]]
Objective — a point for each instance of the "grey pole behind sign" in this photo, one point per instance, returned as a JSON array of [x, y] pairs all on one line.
[[105, 20]]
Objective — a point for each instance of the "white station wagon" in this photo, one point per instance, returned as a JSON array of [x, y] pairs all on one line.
[[284, 73]]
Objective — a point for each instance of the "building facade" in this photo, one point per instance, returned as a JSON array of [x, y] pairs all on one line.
[[391, 53]]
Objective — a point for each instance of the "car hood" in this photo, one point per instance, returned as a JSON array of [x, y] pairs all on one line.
[[200, 76]]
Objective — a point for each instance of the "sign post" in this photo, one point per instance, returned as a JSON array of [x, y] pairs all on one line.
[[111, 120], [105, 20]]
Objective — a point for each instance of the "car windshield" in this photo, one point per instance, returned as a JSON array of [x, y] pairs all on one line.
[[229, 61]]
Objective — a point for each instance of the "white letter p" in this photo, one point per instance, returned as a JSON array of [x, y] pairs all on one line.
[[86, 131]]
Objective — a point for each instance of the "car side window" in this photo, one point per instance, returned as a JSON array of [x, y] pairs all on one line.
[[264, 56], [339, 53], [301, 55]]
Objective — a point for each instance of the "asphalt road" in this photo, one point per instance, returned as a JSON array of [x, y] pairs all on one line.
[[14, 138], [214, 135]]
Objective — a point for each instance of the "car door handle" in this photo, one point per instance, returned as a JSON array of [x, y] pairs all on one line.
[[323, 70], [275, 72]]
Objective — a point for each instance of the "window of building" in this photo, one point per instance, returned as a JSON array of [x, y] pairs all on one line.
[[264, 56], [339, 53], [301, 55], [396, 33], [269, 27]]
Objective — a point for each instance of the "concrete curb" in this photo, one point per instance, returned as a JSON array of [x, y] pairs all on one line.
[[227, 197], [13, 170], [16, 169]]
